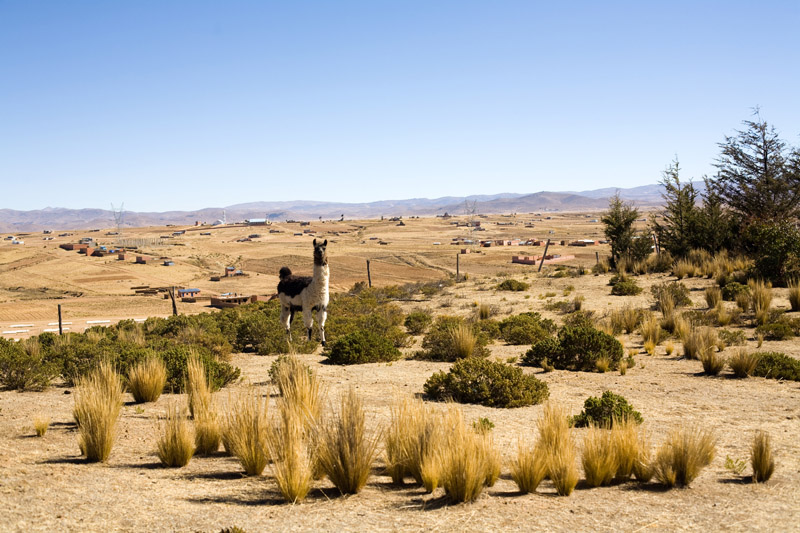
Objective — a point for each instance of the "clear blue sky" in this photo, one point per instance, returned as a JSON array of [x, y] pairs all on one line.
[[183, 105]]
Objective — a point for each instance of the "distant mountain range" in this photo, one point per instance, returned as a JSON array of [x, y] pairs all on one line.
[[58, 218]]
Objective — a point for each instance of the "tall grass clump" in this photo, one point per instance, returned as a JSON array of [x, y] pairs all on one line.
[[290, 448], [98, 400], [629, 445], [598, 458], [761, 457], [794, 295], [683, 455], [414, 443], [345, 449], [463, 340], [743, 363], [626, 319], [484, 312], [40, 425], [713, 361], [245, 430], [469, 460], [556, 443], [699, 341], [198, 392], [146, 379], [713, 296], [528, 468], [651, 330], [176, 444], [761, 297], [300, 387]]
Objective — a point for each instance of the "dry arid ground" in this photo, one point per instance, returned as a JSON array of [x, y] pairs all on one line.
[[46, 486]]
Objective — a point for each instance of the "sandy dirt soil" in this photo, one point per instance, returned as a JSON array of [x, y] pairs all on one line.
[[46, 486]]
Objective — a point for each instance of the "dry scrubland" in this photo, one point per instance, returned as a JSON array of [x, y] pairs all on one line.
[[46, 485]]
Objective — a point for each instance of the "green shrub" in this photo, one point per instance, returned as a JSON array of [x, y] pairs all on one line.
[[605, 410], [438, 345], [776, 331], [490, 328], [417, 322], [732, 289], [488, 383], [513, 285], [525, 328], [220, 373], [368, 310], [676, 289], [626, 288], [776, 365], [580, 319], [576, 349], [24, 366], [732, 337], [360, 347]]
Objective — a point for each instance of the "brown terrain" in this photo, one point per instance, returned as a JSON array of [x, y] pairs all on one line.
[[46, 486]]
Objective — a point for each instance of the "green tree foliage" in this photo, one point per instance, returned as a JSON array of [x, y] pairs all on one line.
[[619, 230], [679, 230], [605, 410], [775, 247]]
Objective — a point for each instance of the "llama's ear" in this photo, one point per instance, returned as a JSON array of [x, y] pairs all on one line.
[[325, 243], [315, 242]]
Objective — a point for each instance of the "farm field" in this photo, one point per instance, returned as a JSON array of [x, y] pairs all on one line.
[[46, 485]]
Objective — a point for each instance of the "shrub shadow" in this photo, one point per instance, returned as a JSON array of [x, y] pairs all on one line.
[[742, 480]]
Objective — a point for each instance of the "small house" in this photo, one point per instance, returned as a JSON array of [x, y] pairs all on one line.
[[141, 259]]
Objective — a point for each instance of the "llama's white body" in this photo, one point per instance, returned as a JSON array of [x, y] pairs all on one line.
[[312, 297]]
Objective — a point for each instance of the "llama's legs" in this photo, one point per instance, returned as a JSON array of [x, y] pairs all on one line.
[[322, 314], [308, 320], [286, 319]]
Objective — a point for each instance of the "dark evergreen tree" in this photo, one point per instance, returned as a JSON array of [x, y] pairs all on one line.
[[619, 230], [680, 230]]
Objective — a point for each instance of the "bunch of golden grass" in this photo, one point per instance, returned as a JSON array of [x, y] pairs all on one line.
[[558, 448], [415, 441], [602, 364], [345, 450], [794, 295], [469, 460], [623, 267], [623, 368], [529, 467], [147, 379], [40, 424], [761, 457], [722, 315], [682, 328], [713, 297], [198, 392], [98, 400], [699, 341], [643, 466], [669, 347], [134, 335], [650, 347], [626, 445], [577, 302], [290, 448], [743, 363], [761, 294], [598, 458], [176, 444], [603, 266], [683, 269], [94, 336], [651, 330], [713, 362], [245, 430], [666, 304], [683, 455], [722, 264], [606, 326], [743, 301], [301, 389], [484, 311], [640, 267], [463, 340]]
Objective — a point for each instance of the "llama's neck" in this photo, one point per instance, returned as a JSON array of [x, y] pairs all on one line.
[[321, 275]]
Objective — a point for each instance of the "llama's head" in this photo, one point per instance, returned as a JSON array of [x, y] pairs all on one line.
[[320, 252], [284, 273]]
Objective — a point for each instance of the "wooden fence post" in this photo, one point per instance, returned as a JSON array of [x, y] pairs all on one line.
[[458, 271], [546, 246], [369, 276], [60, 328], [172, 297]]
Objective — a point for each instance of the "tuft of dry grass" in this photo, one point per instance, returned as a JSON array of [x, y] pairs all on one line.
[[469, 460], [98, 400], [722, 315], [484, 311], [761, 294], [599, 459], [684, 269], [134, 335], [558, 448], [761, 458], [699, 341], [743, 301], [414, 442], [669, 347], [345, 449], [626, 443], [301, 388], [175, 446], [643, 466], [463, 340], [651, 330], [794, 295], [147, 379], [602, 364], [40, 424], [650, 347], [623, 368], [626, 319], [713, 362], [562, 469], [198, 391], [491, 458], [290, 448], [528, 468], [208, 433], [713, 297], [683, 455], [743, 363], [245, 430]]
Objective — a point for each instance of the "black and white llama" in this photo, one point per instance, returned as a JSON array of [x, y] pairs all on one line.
[[306, 294]]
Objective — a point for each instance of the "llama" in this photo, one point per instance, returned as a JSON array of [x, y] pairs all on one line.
[[306, 294]]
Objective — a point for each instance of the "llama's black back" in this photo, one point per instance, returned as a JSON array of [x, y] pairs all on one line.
[[293, 285]]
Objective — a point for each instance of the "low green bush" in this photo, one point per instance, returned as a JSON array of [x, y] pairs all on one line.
[[525, 328], [776, 365], [513, 285], [489, 327], [676, 289], [366, 310], [360, 347], [776, 331], [604, 410], [732, 337], [576, 348], [732, 289], [438, 345], [488, 383], [417, 322], [23, 368], [627, 287]]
